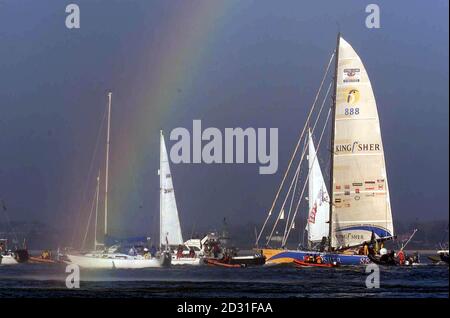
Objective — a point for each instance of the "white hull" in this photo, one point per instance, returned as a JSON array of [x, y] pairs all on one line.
[[8, 260], [196, 261], [114, 261]]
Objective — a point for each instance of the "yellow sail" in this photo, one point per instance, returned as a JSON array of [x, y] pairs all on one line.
[[360, 191]]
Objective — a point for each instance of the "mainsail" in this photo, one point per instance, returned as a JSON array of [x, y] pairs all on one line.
[[169, 226], [319, 207], [360, 194]]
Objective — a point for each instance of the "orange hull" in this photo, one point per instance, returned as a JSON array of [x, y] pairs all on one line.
[[40, 260], [218, 263], [301, 263]]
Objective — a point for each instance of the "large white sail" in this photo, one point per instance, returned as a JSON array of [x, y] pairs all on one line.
[[360, 190], [319, 207], [170, 230]]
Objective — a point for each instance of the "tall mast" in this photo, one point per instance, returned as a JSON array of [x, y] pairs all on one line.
[[107, 163], [160, 187], [96, 211], [309, 189], [333, 120]]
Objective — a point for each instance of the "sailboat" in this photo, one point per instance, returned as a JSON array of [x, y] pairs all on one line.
[[318, 200], [170, 228], [112, 258], [359, 209]]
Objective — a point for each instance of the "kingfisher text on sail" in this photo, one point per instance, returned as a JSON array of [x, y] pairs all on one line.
[[237, 146]]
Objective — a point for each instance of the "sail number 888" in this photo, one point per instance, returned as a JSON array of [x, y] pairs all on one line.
[[351, 111]]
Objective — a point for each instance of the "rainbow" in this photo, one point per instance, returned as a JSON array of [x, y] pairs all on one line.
[[186, 39]]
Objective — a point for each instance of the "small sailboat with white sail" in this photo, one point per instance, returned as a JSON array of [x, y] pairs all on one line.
[[170, 229], [113, 257], [357, 211]]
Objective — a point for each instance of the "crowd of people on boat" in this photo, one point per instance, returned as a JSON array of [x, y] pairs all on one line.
[[377, 250], [313, 259], [180, 253], [143, 251]]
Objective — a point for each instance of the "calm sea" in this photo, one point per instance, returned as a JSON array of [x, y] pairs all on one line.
[[36, 280]]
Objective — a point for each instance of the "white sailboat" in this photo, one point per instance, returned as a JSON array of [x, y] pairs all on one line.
[[359, 204], [170, 228], [111, 258], [318, 199]]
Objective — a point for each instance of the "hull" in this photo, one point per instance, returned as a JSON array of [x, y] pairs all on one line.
[[253, 260], [116, 261], [8, 260], [218, 263], [444, 258], [388, 262], [279, 256], [39, 260], [196, 261], [306, 264]]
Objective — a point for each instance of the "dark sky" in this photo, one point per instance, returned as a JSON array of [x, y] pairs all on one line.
[[229, 63]]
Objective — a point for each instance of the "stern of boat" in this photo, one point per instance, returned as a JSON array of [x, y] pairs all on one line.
[[165, 259]]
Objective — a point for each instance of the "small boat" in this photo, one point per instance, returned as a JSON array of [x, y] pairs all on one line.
[[434, 258], [40, 260], [443, 255], [45, 258], [309, 264], [222, 263], [9, 257], [386, 260]]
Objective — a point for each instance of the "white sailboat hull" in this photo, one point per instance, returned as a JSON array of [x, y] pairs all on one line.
[[196, 261], [8, 260], [116, 261]]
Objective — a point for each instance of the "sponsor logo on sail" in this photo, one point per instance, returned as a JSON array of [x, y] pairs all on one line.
[[351, 75], [356, 146], [352, 96]]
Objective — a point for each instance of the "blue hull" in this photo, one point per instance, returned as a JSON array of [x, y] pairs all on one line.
[[286, 256]]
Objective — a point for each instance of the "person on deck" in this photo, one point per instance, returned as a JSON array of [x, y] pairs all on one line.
[[401, 257], [216, 250], [191, 252], [180, 251], [366, 249]]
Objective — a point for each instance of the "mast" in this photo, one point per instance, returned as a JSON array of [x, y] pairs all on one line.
[[96, 211], [160, 187], [333, 121], [107, 163], [310, 196]]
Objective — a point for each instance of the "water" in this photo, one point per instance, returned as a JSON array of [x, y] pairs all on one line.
[[42, 280]]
